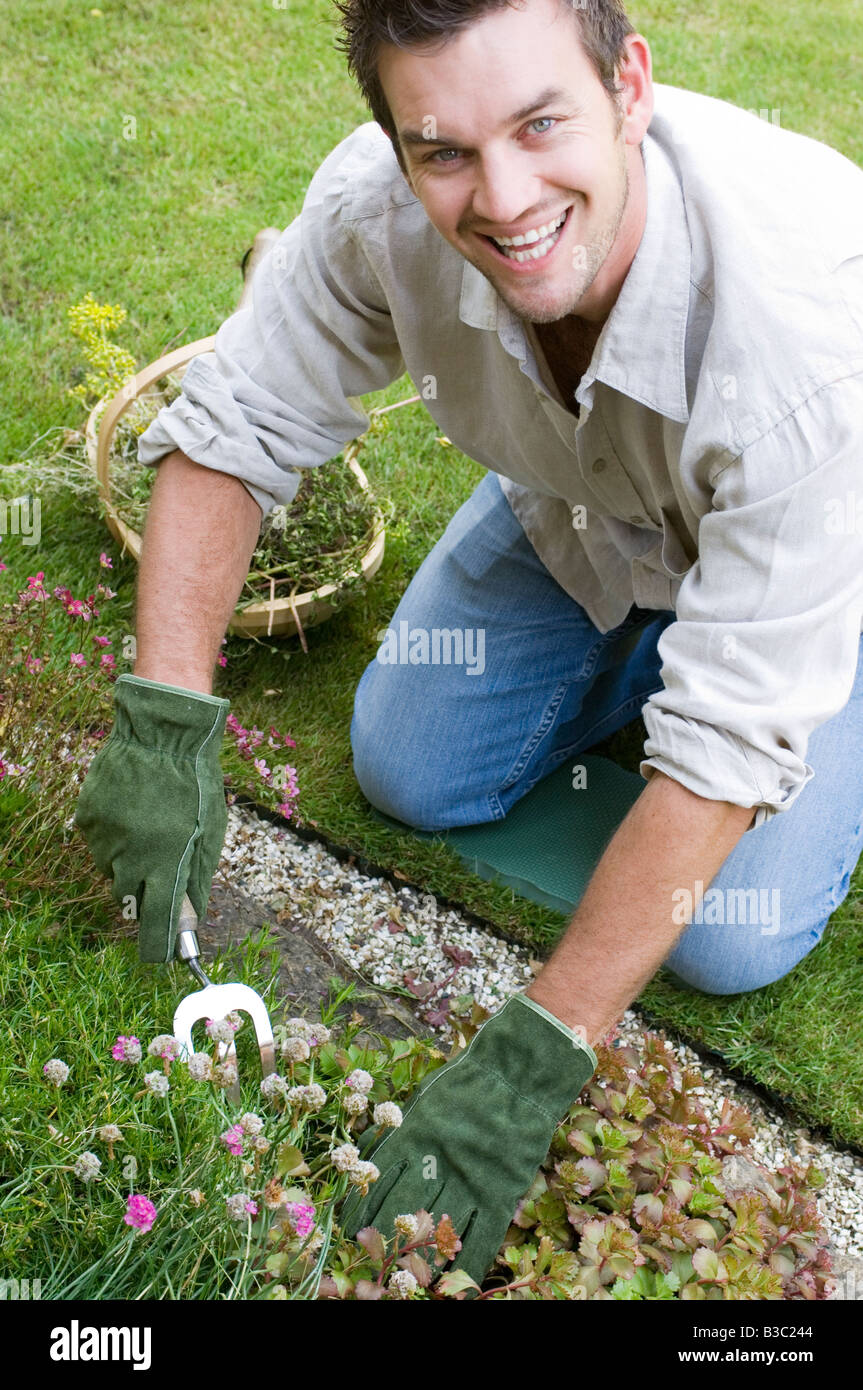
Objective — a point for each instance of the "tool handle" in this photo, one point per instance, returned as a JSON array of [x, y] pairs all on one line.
[[187, 940]]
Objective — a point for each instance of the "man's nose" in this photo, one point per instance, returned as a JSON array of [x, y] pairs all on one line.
[[505, 188]]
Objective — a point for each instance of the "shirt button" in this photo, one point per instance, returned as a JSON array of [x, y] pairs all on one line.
[[637, 520], [598, 465]]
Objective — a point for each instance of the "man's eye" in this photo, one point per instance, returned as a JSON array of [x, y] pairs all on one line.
[[438, 156], [547, 121]]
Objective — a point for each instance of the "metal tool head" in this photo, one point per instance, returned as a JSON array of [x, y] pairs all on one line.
[[216, 1002]]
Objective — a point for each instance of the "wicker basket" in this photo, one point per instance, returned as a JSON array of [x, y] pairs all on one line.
[[282, 617]]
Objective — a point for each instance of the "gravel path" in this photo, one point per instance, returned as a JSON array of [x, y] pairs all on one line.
[[384, 933]]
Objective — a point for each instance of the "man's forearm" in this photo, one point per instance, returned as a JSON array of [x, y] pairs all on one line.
[[202, 527], [624, 927]]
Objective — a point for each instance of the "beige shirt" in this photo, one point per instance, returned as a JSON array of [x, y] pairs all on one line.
[[715, 467]]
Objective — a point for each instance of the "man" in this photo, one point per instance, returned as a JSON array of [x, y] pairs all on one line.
[[642, 310]]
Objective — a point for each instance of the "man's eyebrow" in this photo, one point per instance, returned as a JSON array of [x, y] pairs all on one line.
[[546, 98]]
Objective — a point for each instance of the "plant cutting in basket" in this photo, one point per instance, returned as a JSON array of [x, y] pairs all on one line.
[[312, 556]]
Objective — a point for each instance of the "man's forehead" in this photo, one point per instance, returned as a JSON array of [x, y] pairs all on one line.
[[503, 74]]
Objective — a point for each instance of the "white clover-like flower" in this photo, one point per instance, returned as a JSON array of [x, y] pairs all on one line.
[[220, 1030], [360, 1080], [295, 1050], [157, 1082], [87, 1166], [56, 1071], [387, 1113], [225, 1073], [402, 1284], [165, 1045], [273, 1085], [318, 1035], [314, 1096], [363, 1173], [297, 1028], [110, 1134], [251, 1123], [236, 1206], [259, 1143], [356, 1103], [344, 1157], [200, 1066], [196, 1197], [406, 1225]]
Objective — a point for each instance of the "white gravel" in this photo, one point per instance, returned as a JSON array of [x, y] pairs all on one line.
[[352, 914]]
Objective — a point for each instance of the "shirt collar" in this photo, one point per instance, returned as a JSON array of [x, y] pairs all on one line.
[[641, 350]]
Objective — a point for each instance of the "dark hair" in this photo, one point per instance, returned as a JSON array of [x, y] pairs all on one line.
[[368, 24]]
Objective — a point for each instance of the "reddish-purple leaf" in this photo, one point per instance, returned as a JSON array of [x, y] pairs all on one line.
[[372, 1241], [460, 955]]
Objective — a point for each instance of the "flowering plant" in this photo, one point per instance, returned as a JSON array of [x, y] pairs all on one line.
[[642, 1195]]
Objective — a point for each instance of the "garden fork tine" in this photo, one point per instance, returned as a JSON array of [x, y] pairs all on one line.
[[217, 1001]]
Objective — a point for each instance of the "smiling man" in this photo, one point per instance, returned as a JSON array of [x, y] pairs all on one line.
[[642, 310]]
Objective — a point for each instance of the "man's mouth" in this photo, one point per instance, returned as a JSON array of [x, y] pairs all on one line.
[[533, 244]]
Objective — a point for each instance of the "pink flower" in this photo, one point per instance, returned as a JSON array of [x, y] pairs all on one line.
[[105, 562], [140, 1212], [63, 594], [108, 663], [77, 608], [78, 659], [102, 641], [252, 1208], [222, 659], [301, 1216], [104, 589], [35, 580], [2, 566], [233, 1139], [262, 769], [34, 663], [284, 809], [275, 736], [126, 1049]]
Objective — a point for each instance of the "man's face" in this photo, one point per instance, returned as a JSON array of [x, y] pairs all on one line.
[[521, 159]]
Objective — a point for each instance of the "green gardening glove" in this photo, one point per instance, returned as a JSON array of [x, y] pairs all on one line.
[[152, 806], [473, 1137]]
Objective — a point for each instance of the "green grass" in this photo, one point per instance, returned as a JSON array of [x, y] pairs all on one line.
[[235, 105]]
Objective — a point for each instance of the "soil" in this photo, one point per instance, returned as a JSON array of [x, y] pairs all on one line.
[[307, 967]]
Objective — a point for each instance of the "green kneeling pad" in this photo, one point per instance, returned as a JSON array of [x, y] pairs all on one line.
[[551, 840]]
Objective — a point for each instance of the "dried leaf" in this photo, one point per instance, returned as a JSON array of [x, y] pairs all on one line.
[[446, 1239], [460, 955]]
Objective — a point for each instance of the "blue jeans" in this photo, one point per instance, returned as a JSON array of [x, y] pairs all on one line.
[[443, 744]]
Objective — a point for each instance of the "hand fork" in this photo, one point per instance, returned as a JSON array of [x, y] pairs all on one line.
[[216, 1002]]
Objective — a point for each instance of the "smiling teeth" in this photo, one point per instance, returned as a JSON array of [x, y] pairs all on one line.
[[539, 239]]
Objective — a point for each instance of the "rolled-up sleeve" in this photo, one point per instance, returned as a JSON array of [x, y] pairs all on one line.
[[275, 394], [765, 644]]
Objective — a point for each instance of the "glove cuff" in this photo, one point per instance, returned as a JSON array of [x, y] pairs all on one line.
[[576, 1038], [168, 719], [129, 679]]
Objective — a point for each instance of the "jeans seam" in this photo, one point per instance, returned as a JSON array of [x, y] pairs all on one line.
[[538, 734]]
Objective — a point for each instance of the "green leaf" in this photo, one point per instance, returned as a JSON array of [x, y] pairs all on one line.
[[290, 1162], [457, 1281]]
